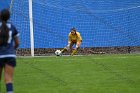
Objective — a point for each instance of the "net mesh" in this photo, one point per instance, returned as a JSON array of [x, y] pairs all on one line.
[[102, 24]]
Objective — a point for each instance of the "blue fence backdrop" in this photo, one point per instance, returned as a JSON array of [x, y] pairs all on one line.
[[102, 23]]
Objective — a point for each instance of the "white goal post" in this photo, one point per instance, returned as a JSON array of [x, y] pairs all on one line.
[[31, 28]]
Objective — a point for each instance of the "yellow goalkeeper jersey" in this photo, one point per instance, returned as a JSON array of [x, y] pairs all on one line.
[[74, 38]]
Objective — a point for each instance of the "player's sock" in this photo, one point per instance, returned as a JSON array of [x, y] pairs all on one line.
[[74, 52], [9, 88]]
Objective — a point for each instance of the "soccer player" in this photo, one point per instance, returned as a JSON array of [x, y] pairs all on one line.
[[73, 38], [8, 43]]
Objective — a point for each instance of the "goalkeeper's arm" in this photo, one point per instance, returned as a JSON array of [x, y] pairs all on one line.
[[69, 42], [68, 46]]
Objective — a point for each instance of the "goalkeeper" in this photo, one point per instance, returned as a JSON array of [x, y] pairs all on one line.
[[74, 38]]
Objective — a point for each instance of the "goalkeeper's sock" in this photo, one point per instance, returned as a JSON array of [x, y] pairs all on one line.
[[74, 52], [63, 50]]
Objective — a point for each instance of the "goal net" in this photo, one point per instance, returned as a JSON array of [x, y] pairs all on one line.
[[105, 26]]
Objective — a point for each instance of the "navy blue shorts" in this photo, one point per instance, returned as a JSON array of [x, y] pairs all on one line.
[[9, 61]]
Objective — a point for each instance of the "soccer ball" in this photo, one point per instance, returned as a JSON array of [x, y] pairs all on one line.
[[57, 52]]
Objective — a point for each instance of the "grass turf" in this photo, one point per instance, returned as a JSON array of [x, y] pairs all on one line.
[[78, 74]]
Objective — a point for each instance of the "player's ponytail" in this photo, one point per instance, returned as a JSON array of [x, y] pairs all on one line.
[[4, 30]]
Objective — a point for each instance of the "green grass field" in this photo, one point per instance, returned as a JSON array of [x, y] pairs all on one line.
[[78, 74]]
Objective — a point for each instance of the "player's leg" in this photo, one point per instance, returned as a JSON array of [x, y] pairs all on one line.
[[72, 43], [0, 77], [0, 73], [67, 47], [1, 69], [8, 74], [64, 49], [76, 48]]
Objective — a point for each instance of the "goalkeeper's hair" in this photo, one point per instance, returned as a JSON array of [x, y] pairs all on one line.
[[4, 30], [73, 29]]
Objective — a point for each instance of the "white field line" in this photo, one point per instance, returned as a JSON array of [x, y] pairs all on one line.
[[72, 58]]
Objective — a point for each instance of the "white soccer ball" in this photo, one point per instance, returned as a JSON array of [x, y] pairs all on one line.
[[58, 52]]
